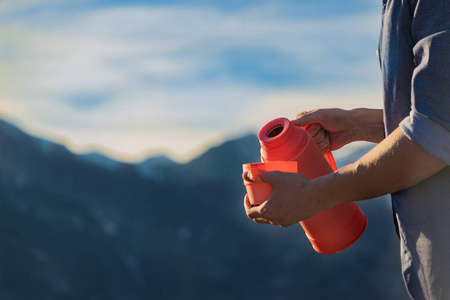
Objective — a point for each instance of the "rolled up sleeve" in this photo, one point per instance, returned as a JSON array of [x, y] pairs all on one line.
[[428, 123]]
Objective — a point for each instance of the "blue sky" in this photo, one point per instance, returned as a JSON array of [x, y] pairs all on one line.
[[136, 78]]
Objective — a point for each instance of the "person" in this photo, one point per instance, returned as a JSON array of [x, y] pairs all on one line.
[[412, 157]]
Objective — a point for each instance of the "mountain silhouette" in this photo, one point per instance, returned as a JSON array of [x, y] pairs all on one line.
[[88, 227]]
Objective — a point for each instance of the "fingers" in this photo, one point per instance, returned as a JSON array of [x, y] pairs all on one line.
[[314, 119], [261, 221], [271, 178], [320, 136], [259, 214], [309, 117], [314, 129], [247, 176], [277, 209], [323, 141], [247, 204], [317, 133], [254, 212]]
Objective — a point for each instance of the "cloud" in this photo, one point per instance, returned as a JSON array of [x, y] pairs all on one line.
[[14, 6], [133, 78]]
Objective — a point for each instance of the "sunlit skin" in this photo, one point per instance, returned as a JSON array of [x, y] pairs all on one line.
[[396, 163]]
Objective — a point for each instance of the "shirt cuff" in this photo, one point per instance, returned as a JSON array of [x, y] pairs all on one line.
[[432, 136]]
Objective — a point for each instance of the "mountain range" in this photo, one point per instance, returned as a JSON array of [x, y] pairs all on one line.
[[89, 227]]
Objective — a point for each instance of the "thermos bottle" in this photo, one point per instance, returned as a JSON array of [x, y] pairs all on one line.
[[331, 230]]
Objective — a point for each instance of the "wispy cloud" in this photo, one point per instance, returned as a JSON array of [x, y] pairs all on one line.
[[133, 78]]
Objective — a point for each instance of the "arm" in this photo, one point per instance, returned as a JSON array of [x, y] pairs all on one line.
[[395, 164]]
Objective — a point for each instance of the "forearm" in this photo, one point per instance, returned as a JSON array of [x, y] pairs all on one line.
[[367, 124], [393, 165]]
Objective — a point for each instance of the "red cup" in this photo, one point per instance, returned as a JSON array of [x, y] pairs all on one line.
[[258, 191]]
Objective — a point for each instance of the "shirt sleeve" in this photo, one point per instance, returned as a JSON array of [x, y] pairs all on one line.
[[428, 123]]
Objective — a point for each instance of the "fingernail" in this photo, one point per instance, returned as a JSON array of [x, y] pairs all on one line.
[[248, 176]]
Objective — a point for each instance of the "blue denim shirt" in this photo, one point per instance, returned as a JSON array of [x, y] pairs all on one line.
[[414, 54]]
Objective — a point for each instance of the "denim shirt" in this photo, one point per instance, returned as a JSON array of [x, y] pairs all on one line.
[[414, 52]]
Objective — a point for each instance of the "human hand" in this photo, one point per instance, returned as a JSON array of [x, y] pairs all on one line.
[[293, 199], [333, 128], [330, 128]]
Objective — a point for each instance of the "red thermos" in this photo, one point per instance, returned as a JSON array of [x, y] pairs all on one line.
[[333, 229]]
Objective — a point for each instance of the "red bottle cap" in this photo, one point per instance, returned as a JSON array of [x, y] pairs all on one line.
[[280, 139]]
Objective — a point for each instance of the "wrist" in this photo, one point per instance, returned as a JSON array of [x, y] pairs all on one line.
[[335, 188], [367, 124]]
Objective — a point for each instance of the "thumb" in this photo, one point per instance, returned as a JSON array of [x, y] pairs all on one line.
[[272, 177], [309, 117]]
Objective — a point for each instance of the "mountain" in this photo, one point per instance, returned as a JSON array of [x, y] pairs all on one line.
[[100, 160], [156, 167], [73, 227], [220, 162]]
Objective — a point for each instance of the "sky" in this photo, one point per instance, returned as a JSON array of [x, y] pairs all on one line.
[[132, 79]]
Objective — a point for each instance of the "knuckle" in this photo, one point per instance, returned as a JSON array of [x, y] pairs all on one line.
[[325, 114], [320, 136], [325, 150], [252, 214], [314, 129], [265, 214], [323, 144], [301, 114], [277, 221], [281, 222], [284, 223]]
